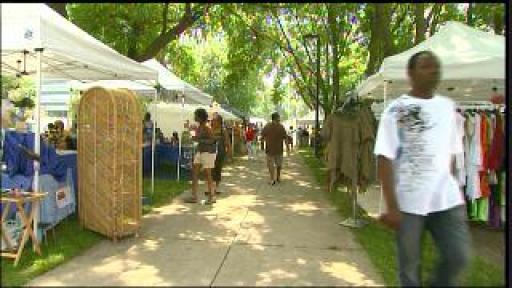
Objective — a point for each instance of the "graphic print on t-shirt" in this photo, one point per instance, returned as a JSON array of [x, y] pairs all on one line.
[[413, 154]]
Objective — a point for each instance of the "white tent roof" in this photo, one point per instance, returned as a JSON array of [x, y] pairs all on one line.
[[112, 84], [170, 117], [69, 52], [170, 81], [257, 120], [472, 62], [166, 78], [311, 116], [197, 95]]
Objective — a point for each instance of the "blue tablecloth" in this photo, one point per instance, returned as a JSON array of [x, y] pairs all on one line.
[[168, 153], [163, 152], [70, 162], [49, 213], [18, 164], [56, 172]]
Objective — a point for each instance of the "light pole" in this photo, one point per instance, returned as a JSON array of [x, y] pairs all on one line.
[[317, 101]]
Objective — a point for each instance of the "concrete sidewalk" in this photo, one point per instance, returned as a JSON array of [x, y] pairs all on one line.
[[255, 235]]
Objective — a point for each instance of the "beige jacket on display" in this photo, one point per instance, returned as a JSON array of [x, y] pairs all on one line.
[[351, 137]]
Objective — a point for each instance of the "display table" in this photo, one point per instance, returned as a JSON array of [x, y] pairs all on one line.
[[167, 153], [27, 222], [68, 158]]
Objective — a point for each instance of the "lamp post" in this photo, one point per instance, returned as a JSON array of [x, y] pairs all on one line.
[[317, 101]]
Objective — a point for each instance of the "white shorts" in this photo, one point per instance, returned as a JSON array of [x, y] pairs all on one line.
[[207, 160]]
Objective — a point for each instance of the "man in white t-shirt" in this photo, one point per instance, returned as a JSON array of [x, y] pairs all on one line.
[[416, 144]]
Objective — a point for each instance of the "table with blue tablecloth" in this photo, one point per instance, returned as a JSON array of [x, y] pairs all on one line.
[[57, 175], [166, 153]]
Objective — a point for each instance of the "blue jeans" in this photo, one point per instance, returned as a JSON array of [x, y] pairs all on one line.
[[451, 236]]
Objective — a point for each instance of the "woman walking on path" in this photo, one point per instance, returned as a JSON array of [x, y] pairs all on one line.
[[204, 157], [223, 149]]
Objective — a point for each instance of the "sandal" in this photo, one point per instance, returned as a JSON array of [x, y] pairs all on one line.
[[190, 200], [208, 193], [210, 201]]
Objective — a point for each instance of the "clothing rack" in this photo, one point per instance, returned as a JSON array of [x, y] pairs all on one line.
[[480, 105], [352, 222], [485, 107]]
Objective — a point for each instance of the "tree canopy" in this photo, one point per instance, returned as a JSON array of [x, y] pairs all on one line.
[[228, 49]]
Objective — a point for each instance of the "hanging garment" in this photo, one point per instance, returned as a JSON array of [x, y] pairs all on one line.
[[460, 170], [496, 156], [482, 209], [484, 136], [351, 137], [472, 163], [494, 207]]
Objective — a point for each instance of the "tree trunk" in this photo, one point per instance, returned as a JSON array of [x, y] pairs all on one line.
[[334, 37], [59, 8], [387, 46], [435, 18], [380, 40], [498, 20], [419, 9], [469, 15], [372, 11], [132, 43]]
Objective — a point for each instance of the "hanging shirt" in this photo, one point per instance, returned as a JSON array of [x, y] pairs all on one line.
[[421, 137], [484, 183], [476, 158], [460, 169], [497, 152]]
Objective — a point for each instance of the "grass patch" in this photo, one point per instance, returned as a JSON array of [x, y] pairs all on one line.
[[165, 191], [72, 240], [379, 242]]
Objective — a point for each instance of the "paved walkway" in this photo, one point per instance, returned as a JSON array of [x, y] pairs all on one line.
[[254, 235]]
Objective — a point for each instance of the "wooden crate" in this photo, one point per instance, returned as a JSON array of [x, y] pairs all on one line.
[[110, 162]]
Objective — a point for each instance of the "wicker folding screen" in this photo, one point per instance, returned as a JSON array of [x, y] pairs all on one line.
[[110, 162]]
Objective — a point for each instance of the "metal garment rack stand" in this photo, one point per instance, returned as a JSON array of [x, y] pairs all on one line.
[[354, 221]]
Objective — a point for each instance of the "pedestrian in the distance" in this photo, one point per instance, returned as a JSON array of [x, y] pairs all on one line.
[[275, 135], [416, 145], [250, 134]]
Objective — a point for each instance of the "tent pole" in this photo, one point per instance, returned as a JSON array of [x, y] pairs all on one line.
[[37, 139], [153, 145], [179, 137], [233, 141], [385, 96]]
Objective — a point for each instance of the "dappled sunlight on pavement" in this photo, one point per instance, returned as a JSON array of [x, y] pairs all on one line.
[[256, 235]]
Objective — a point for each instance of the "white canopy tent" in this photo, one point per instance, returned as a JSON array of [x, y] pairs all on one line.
[[257, 120], [197, 96], [170, 81], [166, 78], [472, 63], [38, 41], [68, 52], [111, 84], [171, 116], [309, 119]]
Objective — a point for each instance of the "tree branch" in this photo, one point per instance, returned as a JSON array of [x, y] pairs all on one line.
[[59, 8], [165, 18], [186, 21]]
